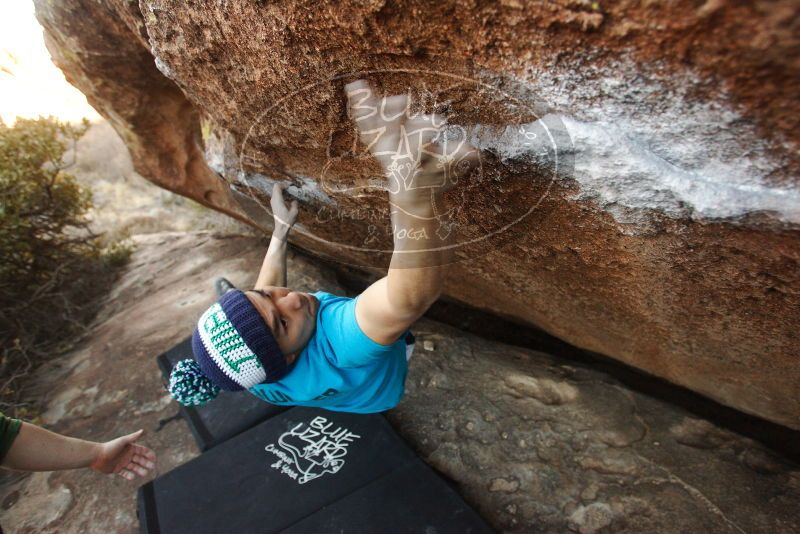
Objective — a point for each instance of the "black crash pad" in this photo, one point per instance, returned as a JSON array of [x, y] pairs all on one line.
[[276, 474], [224, 417], [410, 499]]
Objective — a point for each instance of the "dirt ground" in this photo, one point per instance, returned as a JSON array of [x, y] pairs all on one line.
[[111, 385]]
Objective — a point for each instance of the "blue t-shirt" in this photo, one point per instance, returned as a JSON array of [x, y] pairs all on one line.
[[341, 369]]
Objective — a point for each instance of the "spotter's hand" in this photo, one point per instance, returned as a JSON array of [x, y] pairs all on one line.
[[124, 457]]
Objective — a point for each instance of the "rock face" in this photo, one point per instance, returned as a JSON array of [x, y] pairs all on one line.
[[533, 444], [638, 193]]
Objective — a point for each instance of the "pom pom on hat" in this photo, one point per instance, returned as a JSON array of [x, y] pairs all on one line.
[[189, 386], [233, 350]]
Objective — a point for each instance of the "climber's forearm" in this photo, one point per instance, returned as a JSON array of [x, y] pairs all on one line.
[[412, 291], [37, 449], [416, 272], [273, 269], [388, 307]]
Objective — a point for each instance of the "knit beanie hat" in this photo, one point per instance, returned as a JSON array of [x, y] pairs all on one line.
[[233, 348]]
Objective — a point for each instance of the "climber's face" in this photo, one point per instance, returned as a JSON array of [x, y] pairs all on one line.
[[292, 317]]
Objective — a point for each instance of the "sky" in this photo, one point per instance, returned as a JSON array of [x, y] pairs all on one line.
[[30, 85]]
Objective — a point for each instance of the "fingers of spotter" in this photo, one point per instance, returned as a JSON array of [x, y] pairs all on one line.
[[144, 461], [138, 469], [145, 452]]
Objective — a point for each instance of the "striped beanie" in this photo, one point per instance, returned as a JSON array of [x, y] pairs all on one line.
[[234, 350]]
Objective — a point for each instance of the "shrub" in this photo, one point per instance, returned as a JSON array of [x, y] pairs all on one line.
[[54, 269]]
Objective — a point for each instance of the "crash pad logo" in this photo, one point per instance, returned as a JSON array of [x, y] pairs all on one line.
[[311, 450]]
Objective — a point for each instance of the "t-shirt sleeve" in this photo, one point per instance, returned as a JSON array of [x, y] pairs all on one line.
[[9, 428], [350, 344]]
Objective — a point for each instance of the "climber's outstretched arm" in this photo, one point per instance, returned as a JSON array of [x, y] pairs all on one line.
[[273, 270], [387, 308], [402, 141]]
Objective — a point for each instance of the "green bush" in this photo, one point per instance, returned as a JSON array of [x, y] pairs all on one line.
[[53, 267]]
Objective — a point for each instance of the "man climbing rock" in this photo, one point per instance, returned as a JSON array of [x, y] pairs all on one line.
[[323, 350]]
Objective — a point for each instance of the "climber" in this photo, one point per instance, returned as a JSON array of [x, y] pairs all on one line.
[[318, 349]]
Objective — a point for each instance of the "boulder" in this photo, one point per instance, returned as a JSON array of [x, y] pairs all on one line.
[[638, 192]]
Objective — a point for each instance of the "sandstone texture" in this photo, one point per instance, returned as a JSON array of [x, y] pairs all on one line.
[[534, 443], [638, 194]]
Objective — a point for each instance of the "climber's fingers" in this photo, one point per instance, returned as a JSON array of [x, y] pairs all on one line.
[[407, 144], [374, 118], [362, 104], [384, 139], [422, 132], [393, 111]]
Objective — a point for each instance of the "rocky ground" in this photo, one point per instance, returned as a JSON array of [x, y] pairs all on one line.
[[534, 443]]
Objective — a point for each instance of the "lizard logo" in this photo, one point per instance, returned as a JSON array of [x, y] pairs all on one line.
[[311, 450]]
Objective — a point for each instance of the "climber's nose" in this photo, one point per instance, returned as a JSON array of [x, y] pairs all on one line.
[[294, 300]]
